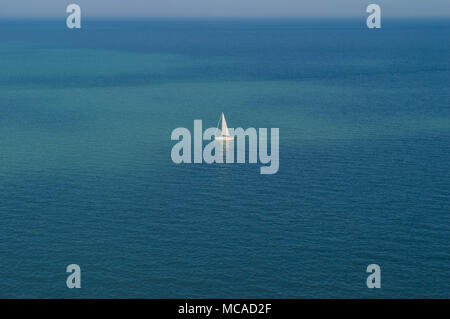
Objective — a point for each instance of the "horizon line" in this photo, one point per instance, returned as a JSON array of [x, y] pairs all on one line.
[[63, 16]]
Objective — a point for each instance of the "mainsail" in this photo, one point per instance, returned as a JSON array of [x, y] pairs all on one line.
[[225, 131]]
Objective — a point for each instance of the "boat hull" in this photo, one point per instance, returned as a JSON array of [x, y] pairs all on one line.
[[224, 138]]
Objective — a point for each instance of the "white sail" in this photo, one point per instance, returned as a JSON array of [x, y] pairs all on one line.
[[225, 131]]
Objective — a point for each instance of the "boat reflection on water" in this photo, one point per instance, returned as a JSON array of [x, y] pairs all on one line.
[[225, 149]]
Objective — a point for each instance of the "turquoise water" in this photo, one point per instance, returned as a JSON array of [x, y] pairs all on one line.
[[86, 175]]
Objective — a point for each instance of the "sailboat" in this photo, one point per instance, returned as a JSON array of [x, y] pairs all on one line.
[[225, 133]]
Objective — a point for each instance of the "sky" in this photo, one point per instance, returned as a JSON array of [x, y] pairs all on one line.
[[224, 8]]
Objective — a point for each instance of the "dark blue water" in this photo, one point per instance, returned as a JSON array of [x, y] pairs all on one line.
[[86, 175]]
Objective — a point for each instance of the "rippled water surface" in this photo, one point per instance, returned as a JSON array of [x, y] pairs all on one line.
[[86, 175]]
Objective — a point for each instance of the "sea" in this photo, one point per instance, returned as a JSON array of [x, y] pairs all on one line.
[[87, 178]]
